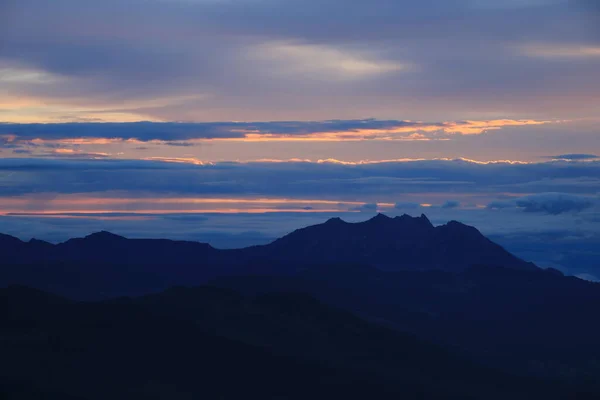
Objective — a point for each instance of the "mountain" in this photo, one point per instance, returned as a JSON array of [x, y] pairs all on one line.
[[388, 243], [104, 265], [124, 351], [447, 285], [108, 247], [400, 243], [212, 343], [534, 323]]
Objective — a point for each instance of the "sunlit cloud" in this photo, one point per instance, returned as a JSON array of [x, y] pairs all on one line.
[[560, 51], [178, 160], [405, 131], [195, 161], [26, 76], [320, 61], [193, 134], [74, 153], [18, 107]]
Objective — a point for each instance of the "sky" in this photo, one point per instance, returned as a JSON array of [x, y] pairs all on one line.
[[237, 121]]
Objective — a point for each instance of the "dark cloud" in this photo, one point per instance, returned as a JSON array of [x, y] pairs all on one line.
[[574, 157], [451, 204], [181, 144], [387, 181], [367, 208], [176, 132], [554, 203], [139, 130], [549, 203]]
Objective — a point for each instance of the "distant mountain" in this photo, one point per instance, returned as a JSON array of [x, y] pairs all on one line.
[[211, 343], [108, 247], [389, 243], [400, 243]]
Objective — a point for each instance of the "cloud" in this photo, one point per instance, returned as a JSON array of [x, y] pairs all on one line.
[[549, 203], [180, 144], [206, 60], [561, 51], [73, 153], [176, 134], [418, 181], [451, 204], [404, 205], [322, 62], [366, 208], [573, 157]]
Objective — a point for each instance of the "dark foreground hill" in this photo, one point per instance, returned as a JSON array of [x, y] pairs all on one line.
[[217, 344], [535, 323]]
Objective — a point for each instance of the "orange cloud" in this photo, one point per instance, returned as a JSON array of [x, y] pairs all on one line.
[[78, 153], [179, 160], [394, 131], [76, 204], [419, 131], [91, 216]]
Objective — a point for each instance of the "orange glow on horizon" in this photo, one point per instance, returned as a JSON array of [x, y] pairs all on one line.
[[69, 204], [73, 213]]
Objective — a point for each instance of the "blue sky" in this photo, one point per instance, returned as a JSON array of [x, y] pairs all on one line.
[[234, 121]]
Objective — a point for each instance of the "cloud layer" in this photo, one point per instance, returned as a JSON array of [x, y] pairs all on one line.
[[550, 203], [449, 183], [83, 60], [334, 130]]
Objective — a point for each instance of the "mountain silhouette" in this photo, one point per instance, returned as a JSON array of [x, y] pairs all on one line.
[[400, 243], [433, 288]]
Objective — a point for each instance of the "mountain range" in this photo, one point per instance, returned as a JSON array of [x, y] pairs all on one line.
[[386, 308], [394, 244]]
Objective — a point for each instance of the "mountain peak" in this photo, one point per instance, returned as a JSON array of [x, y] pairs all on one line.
[[40, 244], [104, 235], [424, 218], [9, 239], [460, 227], [380, 217], [335, 221], [420, 221]]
